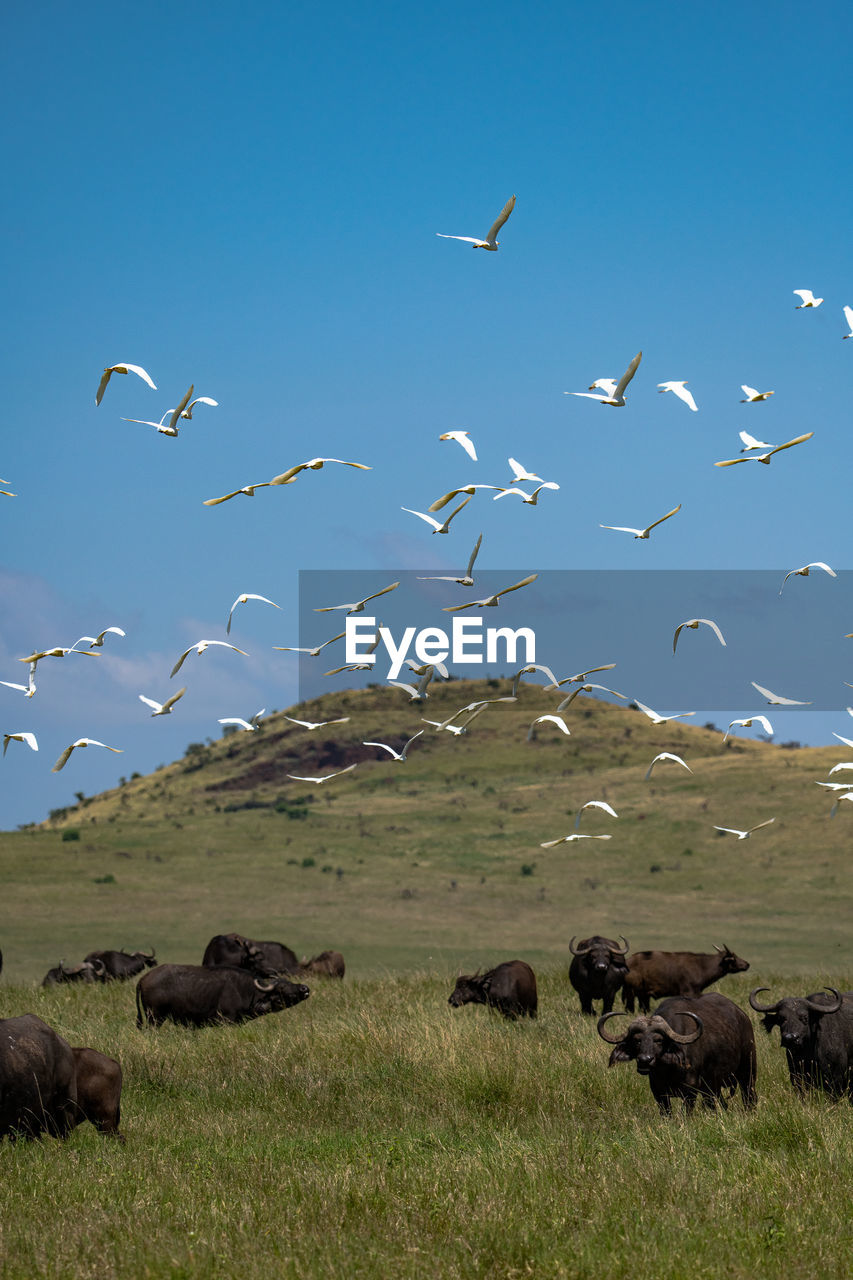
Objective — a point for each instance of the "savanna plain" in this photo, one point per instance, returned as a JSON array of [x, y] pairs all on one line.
[[372, 1130]]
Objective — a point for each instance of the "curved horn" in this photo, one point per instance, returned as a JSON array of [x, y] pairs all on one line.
[[826, 1008], [716, 948], [262, 987], [676, 1035], [151, 955], [578, 951], [620, 951], [601, 1021], [762, 1008], [97, 966]]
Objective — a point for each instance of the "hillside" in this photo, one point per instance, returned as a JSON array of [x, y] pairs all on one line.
[[437, 862]]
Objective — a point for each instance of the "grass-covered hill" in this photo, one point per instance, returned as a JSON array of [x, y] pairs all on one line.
[[436, 861]]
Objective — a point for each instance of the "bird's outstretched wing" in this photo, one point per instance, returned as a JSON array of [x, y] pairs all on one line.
[[500, 219], [673, 512], [467, 239], [176, 413], [248, 489], [627, 376]]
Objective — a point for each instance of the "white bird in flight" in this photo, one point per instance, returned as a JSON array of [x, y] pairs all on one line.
[[465, 488], [463, 438], [200, 648], [765, 457], [248, 490], [693, 624], [490, 601], [642, 533], [315, 652], [123, 367], [588, 688], [437, 527], [188, 411], [808, 299], [243, 599], [249, 725], [848, 316], [750, 443], [28, 738], [775, 700], [96, 642], [326, 777], [753, 396], [594, 804], [358, 605], [576, 835], [162, 708], [467, 579], [58, 652], [475, 709], [162, 426], [315, 724], [178, 412], [397, 755], [81, 742], [28, 689], [455, 729], [742, 835], [658, 719], [747, 724], [314, 464], [838, 768], [617, 396], [679, 389], [557, 720], [532, 499], [520, 474], [667, 755], [804, 572], [528, 670], [491, 240]]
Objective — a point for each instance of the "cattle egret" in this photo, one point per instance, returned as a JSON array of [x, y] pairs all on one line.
[[248, 490], [528, 670], [765, 457], [28, 738], [358, 605], [594, 804], [804, 572], [96, 642], [476, 708], [753, 396], [808, 299], [467, 579], [416, 694], [58, 652], [747, 724], [465, 488], [582, 675], [490, 602], [679, 389], [165, 428], [188, 411], [848, 316], [587, 688], [81, 742], [617, 396], [326, 777], [313, 464], [455, 729], [835, 786], [520, 474], [243, 599], [667, 755], [775, 700], [428, 668], [200, 648], [750, 443], [557, 720], [838, 768], [249, 725], [491, 240], [743, 835], [28, 689], [549, 844], [162, 708], [642, 533], [177, 412], [286, 648], [656, 719], [693, 624], [436, 526], [397, 755], [531, 499], [123, 367], [463, 438], [316, 724]]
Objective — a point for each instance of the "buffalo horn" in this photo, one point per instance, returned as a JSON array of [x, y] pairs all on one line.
[[262, 987], [97, 966], [601, 1021], [150, 955], [676, 1035], [826, 1008], [579, 951], [761, 1008], [620, 951]]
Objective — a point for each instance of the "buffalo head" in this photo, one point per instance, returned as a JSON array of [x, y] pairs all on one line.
[[794, 1016], [280, 993], [600, 953], [650, 1041], [470, 989]]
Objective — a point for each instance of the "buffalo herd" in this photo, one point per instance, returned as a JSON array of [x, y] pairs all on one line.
[[695, 1045]]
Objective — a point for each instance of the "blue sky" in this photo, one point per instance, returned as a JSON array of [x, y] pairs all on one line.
[[246, 198]]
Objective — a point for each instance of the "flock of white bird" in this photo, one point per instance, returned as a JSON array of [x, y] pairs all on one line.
[[607, 391]]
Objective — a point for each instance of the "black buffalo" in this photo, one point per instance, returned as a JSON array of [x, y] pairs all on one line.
[[85, 972], [597, 970], [38, 1087], [652, 974], [98, 1091], [262, 958], [816, 1032], [199, 995], [690, 1047], [118, 966], [328, 964], [509, 987]]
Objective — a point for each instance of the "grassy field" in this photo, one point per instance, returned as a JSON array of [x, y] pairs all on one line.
[[371, 1130]]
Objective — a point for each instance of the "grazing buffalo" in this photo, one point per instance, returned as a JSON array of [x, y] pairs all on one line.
[[199, 995], [118, 966], [597, 970], [262, 958], [328, 964], [816, 1033], [509, 987], [38, 1089], [652, 974], [85, 972], [98, 1091], [690, 1047]]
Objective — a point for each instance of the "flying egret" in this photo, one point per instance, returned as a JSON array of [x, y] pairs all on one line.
[[838, 768], [576, 835], [747, 724], [657, 719], [743, 835], [490, 601], [28, 689], [455, 729], [465, 488], [679, 389], [594, 804], [97, 642], [315, 652], [587, 688], [243, 599], [463, 438], [326, 777], [177, 412], [491, 240], [249, 725], [667, 755], [693, 624], [582, 675], [753, 396], [750, 443], [248, 490], [804, 572], [162, 708], [316, 724], [557, 720], [397, 755], [428, 668], [808, 299], [531, 499], [775, 700], [123, 367], [200, 648], [848, 316], [28, 738], [314, 464], [436, 526], [416, 693], [642, 533], [188, 411], [165, 428], [59, 652], [765, 457], [467, 579], [81, 742], [528, 670], [520, 474], [475, 708], [617, 397], [358, 605]]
